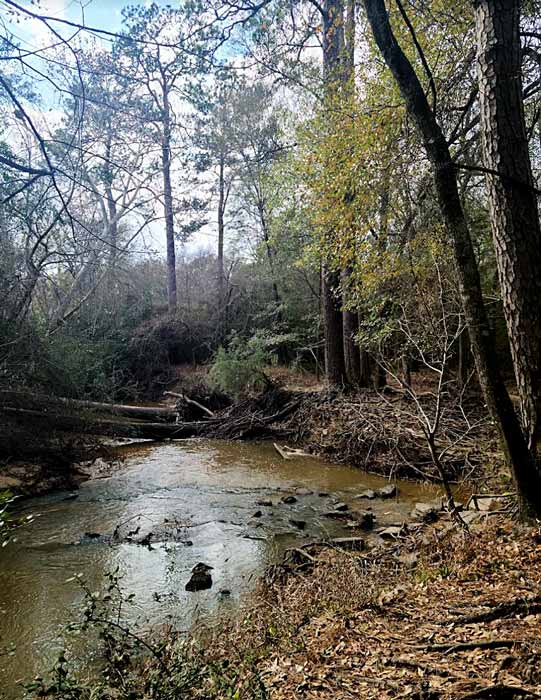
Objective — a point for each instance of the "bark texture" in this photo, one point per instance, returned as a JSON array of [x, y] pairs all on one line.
[[222, 310], [513, 205], [496, 396]]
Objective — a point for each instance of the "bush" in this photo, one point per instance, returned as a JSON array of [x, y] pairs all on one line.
[[240, 367]]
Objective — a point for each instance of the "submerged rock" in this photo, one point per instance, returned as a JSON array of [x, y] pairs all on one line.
[[341, 507], [201, 579], [337, 514], [304, 492]]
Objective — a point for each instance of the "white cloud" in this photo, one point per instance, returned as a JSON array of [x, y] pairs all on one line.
[[35, 32]]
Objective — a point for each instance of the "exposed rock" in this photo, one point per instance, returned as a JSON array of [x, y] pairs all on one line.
[[408, 559], [366, 521], [267, 504], [392, 532], [369, 494], [301, 524], [225, 592], [200, 579], [387, 491], [10, 482], [341, 506], [427, 512], [289, 499], [145, 541], [322, 494], [257, 514], [336, 514], [471, 516], [488, 504]]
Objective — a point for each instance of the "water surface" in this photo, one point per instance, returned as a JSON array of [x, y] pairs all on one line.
[[199, 501]]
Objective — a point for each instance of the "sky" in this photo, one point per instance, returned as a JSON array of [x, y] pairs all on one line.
[[102, 14]]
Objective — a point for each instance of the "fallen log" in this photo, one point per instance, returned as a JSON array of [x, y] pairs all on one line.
[[89, 424], [30, 401], [256, 417]]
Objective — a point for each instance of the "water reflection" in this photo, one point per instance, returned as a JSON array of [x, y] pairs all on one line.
[[206, 495]]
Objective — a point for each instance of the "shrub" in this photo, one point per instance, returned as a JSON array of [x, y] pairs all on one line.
[[240, 367]]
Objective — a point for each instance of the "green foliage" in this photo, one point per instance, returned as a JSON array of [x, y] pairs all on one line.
[[240, 367]]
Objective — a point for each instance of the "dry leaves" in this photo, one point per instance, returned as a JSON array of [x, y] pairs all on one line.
[[365, 627]]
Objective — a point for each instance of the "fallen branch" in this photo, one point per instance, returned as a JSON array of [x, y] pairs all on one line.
[[466, 646], [531, 606], [286, 452], [190, 402]]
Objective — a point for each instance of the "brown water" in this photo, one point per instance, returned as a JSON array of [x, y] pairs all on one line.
[[210, 489]]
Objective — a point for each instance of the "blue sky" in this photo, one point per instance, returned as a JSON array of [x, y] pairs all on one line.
[[102, 14]]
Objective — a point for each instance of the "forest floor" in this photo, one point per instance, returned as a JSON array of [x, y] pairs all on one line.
[[442, 614]]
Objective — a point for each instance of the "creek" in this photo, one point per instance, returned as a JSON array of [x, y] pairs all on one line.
[[199, 500]]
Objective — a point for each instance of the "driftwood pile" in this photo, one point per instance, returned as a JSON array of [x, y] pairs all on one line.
[[382, 433]]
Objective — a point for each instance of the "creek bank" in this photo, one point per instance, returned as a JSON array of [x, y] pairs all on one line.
[[366, 430], [435, 614]]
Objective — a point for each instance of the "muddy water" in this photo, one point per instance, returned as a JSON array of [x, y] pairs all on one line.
[[198, 499]]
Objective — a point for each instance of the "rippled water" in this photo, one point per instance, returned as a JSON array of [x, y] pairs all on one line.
[[202, 492]]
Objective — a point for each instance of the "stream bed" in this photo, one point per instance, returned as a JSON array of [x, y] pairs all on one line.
[[188, 502]]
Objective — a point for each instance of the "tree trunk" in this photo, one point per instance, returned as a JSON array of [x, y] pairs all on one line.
[[333, 74], [90, 424], [496, 396], [112, 213], [168, 203], [350, 321], [270, 253], [220, 258], [350, 318], [56, 404], [513, 205], [365, 377], [335, 367]]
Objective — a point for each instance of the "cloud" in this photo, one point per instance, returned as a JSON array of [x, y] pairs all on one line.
[[57, 8], [34, 31]]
